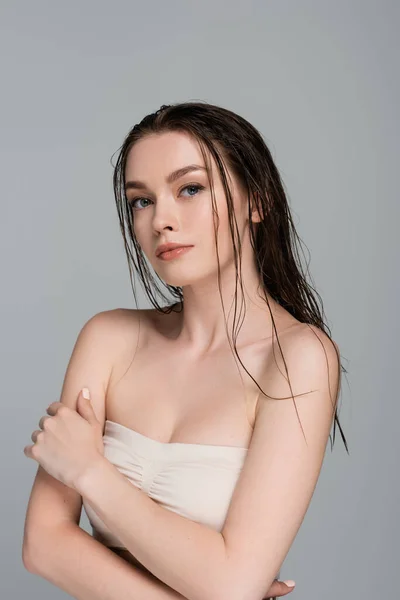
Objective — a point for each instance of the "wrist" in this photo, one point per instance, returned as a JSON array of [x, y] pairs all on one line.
[[94, 471]]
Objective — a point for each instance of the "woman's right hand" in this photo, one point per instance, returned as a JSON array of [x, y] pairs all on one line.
[[278, 588]]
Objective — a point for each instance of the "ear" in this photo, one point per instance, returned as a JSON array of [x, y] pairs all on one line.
[[257, 213]]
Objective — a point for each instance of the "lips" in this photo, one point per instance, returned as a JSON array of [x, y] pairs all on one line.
[[174, 252], [172, 246]]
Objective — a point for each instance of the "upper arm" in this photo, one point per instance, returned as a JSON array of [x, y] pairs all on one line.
[[52, 503], [282, 465]]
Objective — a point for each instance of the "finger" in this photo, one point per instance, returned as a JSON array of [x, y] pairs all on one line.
[[86, 409], [85, 393], [42, 420], [279, 588], [28, 451], [54, 407], [35, 434]]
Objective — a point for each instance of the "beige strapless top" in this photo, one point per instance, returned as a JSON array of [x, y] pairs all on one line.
[[194, 480]]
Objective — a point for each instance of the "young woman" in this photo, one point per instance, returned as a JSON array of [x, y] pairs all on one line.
[[199, 450]]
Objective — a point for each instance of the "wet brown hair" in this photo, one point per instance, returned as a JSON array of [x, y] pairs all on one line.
[[230, 139]]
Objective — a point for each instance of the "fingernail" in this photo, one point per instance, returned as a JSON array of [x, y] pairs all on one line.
[[290, 583], [86, 393]]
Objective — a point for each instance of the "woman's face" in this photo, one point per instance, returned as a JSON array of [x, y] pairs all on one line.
[[179, 209]]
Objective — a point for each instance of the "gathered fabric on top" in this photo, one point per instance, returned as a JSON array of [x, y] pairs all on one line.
[[194, 480]]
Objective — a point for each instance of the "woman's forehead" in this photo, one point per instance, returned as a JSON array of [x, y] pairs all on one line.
[[156, 156]]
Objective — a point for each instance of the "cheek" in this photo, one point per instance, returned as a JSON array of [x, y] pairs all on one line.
[[143, 238], [218, 226]]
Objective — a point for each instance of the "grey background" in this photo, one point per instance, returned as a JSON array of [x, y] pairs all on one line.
[[320, 81]]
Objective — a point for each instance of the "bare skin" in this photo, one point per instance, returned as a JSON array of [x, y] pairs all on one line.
[[191, 406], [185, 383]]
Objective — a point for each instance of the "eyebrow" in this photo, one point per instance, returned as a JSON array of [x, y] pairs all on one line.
[[132, 185]]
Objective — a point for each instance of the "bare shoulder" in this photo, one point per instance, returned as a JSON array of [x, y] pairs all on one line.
[[124, 328], [306, 359], [119, 328], [123, 321], [118, 316], [117, 321], [99, 342], [311, 339]]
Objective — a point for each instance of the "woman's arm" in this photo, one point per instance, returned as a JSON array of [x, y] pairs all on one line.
[[54, 546], [188, 556], [74, 561]]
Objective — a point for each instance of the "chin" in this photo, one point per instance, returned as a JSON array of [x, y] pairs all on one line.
[[185, 275], [178, 279]]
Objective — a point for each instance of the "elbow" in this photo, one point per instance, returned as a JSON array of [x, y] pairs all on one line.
[[35, 552], [227, 588], [233, 593], [28, 555], [227, 593], [236, 590], [235, 586], [226, 582]]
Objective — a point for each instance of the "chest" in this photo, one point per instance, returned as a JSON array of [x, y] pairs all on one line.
[[160, 393]]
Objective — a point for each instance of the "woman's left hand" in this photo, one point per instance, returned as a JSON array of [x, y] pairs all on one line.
[[69, 442]]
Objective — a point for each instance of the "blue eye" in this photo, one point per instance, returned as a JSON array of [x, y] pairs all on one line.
[[132, 202], [195, 186]]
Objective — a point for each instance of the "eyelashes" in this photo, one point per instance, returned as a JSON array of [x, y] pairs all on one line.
[[133, 201]]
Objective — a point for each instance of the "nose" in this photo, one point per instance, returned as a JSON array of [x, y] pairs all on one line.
[[165, 215]]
